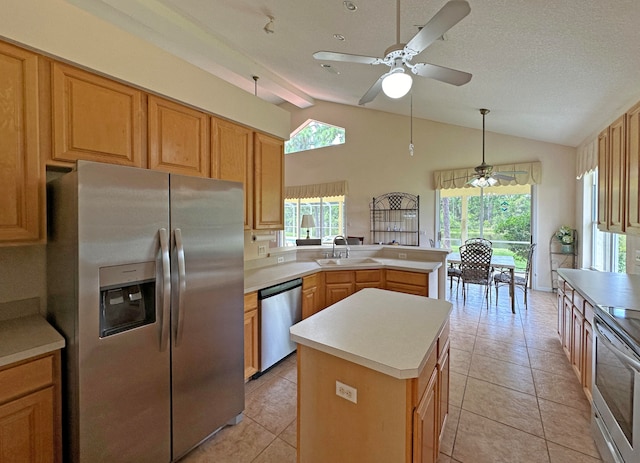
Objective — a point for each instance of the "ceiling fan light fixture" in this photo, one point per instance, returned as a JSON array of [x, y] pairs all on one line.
[[483, 182], [397, 84]]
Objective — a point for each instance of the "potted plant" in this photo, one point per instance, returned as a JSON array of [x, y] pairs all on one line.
[[565, 236]]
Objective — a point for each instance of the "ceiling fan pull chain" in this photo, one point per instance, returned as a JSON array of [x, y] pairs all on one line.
[[411, 125]]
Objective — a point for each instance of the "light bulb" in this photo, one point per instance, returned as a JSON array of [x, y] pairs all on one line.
[[397, 84]]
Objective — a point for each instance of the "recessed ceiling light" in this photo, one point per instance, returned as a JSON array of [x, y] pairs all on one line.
[[339, 37], [350, 6], [329, 68]]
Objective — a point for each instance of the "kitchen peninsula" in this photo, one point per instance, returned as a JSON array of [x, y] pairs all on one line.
[[373, 379]]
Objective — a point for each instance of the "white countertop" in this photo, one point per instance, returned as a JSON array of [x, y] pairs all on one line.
[[386, 331], [615, 289], [263, 277], [26, 337]]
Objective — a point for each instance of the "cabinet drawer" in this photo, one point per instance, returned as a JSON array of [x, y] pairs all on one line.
[[250, 301], [338, 277], [365, 276], [310, 281], [409, 278], [26, 377], [421, 383]]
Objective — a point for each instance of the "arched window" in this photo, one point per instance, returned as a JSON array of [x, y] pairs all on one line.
[[314, 134]]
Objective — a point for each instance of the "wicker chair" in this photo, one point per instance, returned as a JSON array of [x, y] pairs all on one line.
[[521, 280], [484, 241], [475, 267]]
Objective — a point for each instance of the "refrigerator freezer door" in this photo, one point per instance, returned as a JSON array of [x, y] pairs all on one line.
[[208, 360], [123, 387]]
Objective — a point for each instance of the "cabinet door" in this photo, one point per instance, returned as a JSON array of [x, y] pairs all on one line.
[[26, 428], [21, 184], [268, 182], [587, 359], [250, 343], [251, 330], [368, 279], [178, 138], [94, 118], [633, 171], [232, 159], [576, 341], [567, 323], [443, 388], [337, 291], [425, 424], [617, 166], [603, 178]]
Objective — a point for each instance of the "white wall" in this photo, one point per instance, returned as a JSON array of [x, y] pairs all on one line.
[[375, 160]]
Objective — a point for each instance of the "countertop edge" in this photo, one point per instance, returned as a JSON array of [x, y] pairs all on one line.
[[27, 337]]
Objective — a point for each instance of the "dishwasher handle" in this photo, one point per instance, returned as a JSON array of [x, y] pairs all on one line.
[[279, 288]]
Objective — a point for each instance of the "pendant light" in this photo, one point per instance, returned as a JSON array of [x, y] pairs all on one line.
[[484, 178]]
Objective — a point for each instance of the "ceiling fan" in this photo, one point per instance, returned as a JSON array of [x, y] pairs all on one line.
[[485, 176], [398, 57]]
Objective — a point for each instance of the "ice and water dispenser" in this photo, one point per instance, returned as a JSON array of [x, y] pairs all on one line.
[[127, 297]]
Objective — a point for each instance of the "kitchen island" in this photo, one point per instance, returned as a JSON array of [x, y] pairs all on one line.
[[373, 379]]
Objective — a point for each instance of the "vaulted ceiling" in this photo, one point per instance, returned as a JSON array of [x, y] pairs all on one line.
[[550, 70]]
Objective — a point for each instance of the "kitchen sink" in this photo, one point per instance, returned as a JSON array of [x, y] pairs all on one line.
[[348, 262]]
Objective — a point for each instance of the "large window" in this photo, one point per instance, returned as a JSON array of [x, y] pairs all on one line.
[[608, 250], [501, 214], [328, 214]]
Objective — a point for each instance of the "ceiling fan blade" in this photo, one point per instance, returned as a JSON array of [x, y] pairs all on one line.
[[345, 57], [373, 91], [446, 75], [500, 176], [448, 16]]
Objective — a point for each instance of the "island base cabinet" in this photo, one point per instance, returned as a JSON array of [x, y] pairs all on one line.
[[376, 429], [425, 424]]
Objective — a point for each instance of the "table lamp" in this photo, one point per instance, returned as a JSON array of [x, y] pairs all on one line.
[[307, 222]]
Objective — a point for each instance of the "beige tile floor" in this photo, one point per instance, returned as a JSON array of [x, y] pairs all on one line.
[[513, 395]]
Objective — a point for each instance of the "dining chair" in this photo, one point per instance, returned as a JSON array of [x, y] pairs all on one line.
[[484, 241], [520, 279], [475, 267]]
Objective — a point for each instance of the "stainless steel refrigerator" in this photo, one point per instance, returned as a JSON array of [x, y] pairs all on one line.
[[145, 281]]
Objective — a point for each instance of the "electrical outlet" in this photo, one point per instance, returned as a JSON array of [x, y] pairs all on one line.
[[402, 255], [262, 250], [280, 259], [347, 392]]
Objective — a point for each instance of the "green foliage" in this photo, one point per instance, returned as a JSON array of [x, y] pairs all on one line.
[[315, 135], [516, 228]]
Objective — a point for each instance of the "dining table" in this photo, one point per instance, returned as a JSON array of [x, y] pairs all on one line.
[[497, 261]]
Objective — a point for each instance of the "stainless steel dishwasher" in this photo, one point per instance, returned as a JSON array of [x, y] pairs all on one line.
[[280, 308]]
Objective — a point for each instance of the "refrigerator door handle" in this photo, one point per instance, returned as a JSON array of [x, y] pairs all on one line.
[[182, 285], [166, 288]]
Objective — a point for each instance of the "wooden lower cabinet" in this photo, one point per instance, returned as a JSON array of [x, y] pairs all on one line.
[[30, 411], [251, 335], [368, 279], [575, 329], [338, 285], [401, 420], [407, 282], [311, 294]]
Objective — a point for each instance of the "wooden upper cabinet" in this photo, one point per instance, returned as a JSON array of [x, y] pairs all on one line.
[[232, 159], [617, 166], [268, 182], [633, 171], [21, 182], [178, 138], [95, 118], [603, 178]]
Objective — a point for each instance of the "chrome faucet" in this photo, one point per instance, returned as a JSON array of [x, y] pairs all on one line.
[[346, 245]]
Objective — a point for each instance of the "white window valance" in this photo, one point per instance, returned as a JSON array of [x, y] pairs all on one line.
[[458, 178], [319, 190], [587, 158]]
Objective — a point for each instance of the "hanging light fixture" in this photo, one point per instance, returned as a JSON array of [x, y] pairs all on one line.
[[484, 178], [397, 83]]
